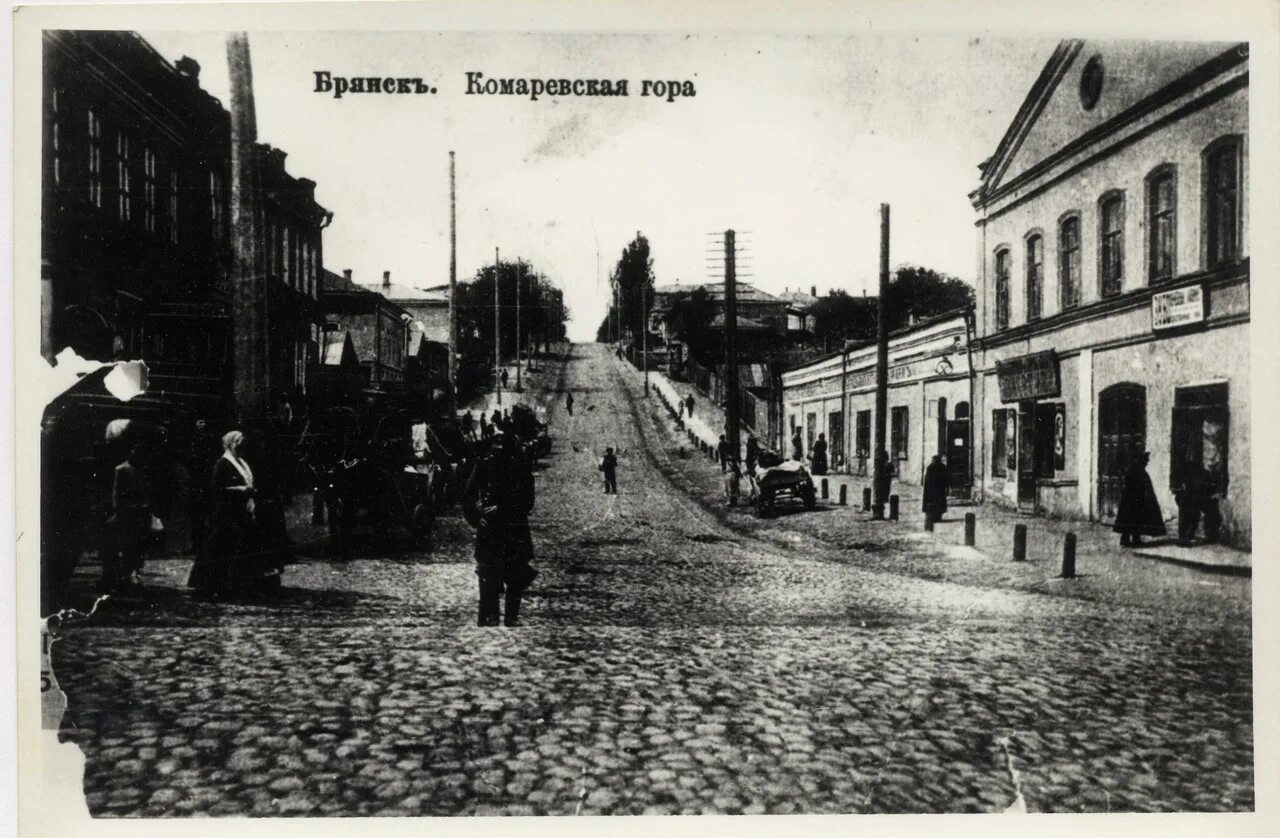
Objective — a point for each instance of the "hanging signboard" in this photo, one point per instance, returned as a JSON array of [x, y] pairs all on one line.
[[1179, 307], [1033, 376]]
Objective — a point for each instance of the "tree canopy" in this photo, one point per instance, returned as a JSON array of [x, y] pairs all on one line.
[[913, 291], [632, 276], [542, 310]]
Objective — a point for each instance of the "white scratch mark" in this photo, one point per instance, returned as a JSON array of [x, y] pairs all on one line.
[[1019, 805]]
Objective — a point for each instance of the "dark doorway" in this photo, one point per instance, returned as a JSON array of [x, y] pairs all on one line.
[[1122, 436], [1027, 456], [835, 439], [862, 441], [956, 449], [1201, 420]]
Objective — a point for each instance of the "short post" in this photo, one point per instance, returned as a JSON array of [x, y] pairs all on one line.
[[928, 522], [1069, 556], [893, 507], [1020, 542], [825, 492], [844, 494], [970, 529], [866, 499]]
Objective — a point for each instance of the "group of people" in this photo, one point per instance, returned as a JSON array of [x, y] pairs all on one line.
[[233, 523], [1138, 512], [487, 427], [817, 454]]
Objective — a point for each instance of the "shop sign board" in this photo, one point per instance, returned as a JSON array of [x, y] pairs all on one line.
[[1179, 307], [1033, 376]]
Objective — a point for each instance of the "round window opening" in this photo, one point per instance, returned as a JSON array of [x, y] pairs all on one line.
[[1091, 83]]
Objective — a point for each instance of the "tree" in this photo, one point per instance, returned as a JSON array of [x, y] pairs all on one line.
[[543, 313], [913, 292], [690, 317]]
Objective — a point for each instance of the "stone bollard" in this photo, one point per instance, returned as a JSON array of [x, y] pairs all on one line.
[[928, 522], [1069, 556], [970, 529], [1020, 542], [893, 507], [825, 492], [866, 499], [844, 495]]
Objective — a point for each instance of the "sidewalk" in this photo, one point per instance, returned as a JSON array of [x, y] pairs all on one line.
[[994, 524]]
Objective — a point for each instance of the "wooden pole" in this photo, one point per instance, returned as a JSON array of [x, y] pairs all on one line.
[[880, 466], [453, 290], [497, 330], [249, 315], [730, 340]]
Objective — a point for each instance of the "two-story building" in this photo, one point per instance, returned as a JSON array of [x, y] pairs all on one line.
[[379, 329], [1113, 281], [929, 398]]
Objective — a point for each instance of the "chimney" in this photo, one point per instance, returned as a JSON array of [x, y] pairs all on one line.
[[346, 274], [813, 290], [386, 279]]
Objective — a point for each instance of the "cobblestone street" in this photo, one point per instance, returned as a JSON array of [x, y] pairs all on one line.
[[673, 658]]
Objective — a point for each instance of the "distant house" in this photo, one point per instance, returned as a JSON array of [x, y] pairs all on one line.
[[378, 328], [427, 307]]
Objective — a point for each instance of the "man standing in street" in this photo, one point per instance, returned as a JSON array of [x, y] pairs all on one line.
[[1138, 512], [497, 502], [797, 447], [723, 454], [753, 453], [689, 404], [568, 402], [609, 465], [936, 484], [504, 378]]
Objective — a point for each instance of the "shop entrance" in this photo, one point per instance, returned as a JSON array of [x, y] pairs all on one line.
[[1035, 450], [956, 449], [1122, 437]]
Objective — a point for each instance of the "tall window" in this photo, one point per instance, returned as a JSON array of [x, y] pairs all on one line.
[[1111, 244], [95, 160], [1002, 289], [217, 213], [1069, 262], [149, 197], [123, 184], [1035, 275], [55, 136], [1162, 236], [1222, 202], [898, 433], [173, 205]]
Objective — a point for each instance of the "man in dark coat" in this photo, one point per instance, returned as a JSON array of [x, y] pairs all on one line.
[[1198, 495], [130, 522], [797, 446], [497, 502], [819, 455], [568, 403], [609, 465], [1139, 512], [723, 453], [936, 484], [689, 404], [753, 454]]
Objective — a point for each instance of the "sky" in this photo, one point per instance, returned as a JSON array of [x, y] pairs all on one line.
[[794, 140]]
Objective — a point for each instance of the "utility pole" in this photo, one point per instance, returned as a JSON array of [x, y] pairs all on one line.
[[730, 340], [453, 291], [249, 315], [644, 336], [880, 466], [845, 461], [519, 276], [497, 331]]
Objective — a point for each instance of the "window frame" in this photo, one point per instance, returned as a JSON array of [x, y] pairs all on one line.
[[124, 179], [903, 451], [1003, 304], [1034, 301], [1073, 300], [1208, 214], [1165, 171], [93, 172], [1113, 239]]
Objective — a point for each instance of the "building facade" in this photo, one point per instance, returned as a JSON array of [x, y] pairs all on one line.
[[378, 328], [1113, 282], [135, 218], [928, 401]]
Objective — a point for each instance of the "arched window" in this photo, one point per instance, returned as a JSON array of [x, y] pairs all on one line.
[[1002, 288], [1111, 244], [1069, 261], [1222, 200], [1162, 223], [1035, 275]]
